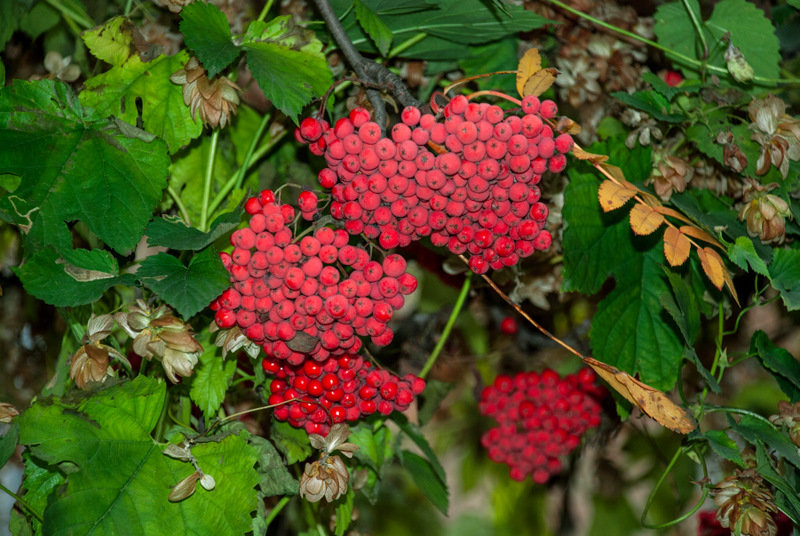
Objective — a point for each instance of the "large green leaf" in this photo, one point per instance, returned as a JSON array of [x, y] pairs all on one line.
[[293, 442], [212, 377], [424, 476], [72, 277], [75, 168], [11, 11], [785, 274], [749, 29], [651, 102], [274, 477], [132, 82], [106, 437], [743, 254], [8, 443], [630, 329], [374, 27], [206, 32], [757, 431], [780, 363], [289, 68], [443, 26], [174, 234], [187, 288]]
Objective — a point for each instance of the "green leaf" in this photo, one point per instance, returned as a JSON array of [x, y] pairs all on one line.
[[106, 436], [289, 71], [749, 29], [425, 478], [11, 11], [112, 42], [435, 393], [375, 446], [785, 274], [756, 431], [786, 496], [206, 32], [629, 330], [293, 442], [212, 377], [413, 432], [39, 20], [374, 27], [188, 289], [690, 86], [74, 277], [40, 481], [682, 306], [344, 512], [172, 233], [441, 24], [164, 113], [8, 443], [274, 478], [74, 168], [720, 443], [650, 102], [780, 363], [501, 55], [743, 254]]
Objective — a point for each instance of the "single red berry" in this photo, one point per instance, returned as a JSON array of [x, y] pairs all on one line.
[[509, 325]]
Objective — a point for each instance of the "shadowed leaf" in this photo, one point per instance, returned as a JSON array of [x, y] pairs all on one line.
[[676, 246], [612, 195]]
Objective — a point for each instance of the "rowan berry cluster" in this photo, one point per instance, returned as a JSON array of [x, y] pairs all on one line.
[[541, 419], [290, 297], [339, 389], [469, 182]]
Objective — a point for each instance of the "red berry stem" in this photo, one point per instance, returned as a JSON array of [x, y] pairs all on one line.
[[494, 93], [462, 297]]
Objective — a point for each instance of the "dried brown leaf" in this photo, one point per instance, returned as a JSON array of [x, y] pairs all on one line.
[[645, 220], [676, 246], [540, 82], [185, 488], [614, 171], [580, 154], [529, 64], [612, 195], [651, 401]]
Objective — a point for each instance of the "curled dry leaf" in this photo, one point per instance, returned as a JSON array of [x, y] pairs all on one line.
[[580, 154], [7, 412], [651, 401], [179, 453], [666, 211], [185, 488], [699, 234], [676, 246], [612, 195], [540, 82], [645, 220]]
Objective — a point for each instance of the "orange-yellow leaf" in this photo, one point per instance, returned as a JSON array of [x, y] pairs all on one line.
[[651, 401], [540, 82], [529, 64], [699, 234], [669, 212], [645, 220], [713, 266], [613, 195], [565, 124], [580, 154], [614, 171], [676, 246]]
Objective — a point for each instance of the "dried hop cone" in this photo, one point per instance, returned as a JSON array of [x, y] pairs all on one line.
[[215, 100], [90, 363], [158, 333], [789, 418], [328, 477], [744, 505], [777, 132], [671, 175], [764, 213]]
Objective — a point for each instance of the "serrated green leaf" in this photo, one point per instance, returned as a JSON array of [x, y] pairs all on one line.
[[186, 288], [289, 70], [425, 478], [651, 102], [415, 434], [786, 496], [375, 446], [785, 274], [107, 437], [435, 393], [74, 168], [211, 379], [112, 42], [8, 443], [344, 512], [71, 278], [743, 254], [723, 445], [174, 234], [442, 24], [274, 478], [206, 32], [293, 442], [374, 27], [756, 431], [164, 113], [780, 363], [39, 482]]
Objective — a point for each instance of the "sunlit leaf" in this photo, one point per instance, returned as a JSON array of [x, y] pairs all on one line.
[[529, 64], [712, 266], [676, 246], [644, 220], [612, 195]]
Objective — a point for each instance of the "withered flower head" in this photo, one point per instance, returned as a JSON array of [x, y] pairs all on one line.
[[7, 412], [745, 505], [61, 67], [216, 100], [732, 156], [233, 340], [327, 478], [764, 213], [777, 132], [671, 175], [173, 5], [788, 417], [90, 362]]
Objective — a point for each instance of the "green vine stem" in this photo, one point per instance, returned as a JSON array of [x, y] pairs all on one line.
[[652, 497], [462, 297], [179, 203], [22, 503], [212, 153], [265, 10], [682, 57], [697, 27], [71, 15], [276, 510]]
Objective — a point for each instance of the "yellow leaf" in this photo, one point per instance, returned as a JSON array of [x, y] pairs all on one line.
[[540, 82], [613, 195], [645, 220], [669, 212], [614, 171], [699, 234], [713, 266], [580, 154], [676, 246], [529, 64], [651, 401]]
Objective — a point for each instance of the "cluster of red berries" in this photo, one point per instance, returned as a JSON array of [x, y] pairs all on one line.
[[541, 419], [339, 389], [290, 296], [477, 195]]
